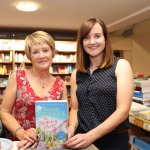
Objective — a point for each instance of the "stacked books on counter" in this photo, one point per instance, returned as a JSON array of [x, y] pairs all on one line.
[[142, 92], [136, 108]]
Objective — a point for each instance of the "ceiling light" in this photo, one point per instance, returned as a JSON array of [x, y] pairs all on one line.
[[26, 6]]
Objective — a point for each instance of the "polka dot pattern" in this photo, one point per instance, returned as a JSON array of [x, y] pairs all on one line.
[[96, 95]]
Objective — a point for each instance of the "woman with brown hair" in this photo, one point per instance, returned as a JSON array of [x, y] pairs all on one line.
[[101, 92]]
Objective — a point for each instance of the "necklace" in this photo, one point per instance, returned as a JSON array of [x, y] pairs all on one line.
[[43, 84]]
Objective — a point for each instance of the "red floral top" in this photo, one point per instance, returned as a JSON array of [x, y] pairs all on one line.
[[24, 108]]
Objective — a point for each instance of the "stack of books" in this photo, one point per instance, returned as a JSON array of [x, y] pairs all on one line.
[[142, 92], [136, 108], [139, 143]]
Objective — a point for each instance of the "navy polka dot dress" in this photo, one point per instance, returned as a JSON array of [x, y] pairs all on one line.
[[96, 96]]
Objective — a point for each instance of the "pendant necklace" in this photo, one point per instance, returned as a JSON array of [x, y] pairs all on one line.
[[43, 84]]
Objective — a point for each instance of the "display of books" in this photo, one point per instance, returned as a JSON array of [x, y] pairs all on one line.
[[141, 95], [144, 101], [13, 57], [67, 80], [51, 123], [4, 81], [136, 108], [142, 83]]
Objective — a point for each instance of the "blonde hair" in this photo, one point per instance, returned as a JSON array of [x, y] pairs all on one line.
[[38, 37]]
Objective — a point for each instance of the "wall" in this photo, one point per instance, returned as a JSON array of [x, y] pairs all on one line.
[[135, 47]]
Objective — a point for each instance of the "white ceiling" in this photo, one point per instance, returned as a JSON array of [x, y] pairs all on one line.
[[69, 14]]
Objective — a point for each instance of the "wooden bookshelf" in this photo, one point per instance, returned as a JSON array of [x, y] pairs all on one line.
[[140, 122], [64, 60]]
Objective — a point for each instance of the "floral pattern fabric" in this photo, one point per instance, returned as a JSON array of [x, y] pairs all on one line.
[[24, 108]]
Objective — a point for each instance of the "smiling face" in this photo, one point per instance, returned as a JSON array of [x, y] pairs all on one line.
[[41, 56], [94, 42]]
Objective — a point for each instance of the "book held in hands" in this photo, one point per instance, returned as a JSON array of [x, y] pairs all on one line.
[[51, 123]]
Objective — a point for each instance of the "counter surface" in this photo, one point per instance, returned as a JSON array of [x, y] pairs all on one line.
[[91, 147]]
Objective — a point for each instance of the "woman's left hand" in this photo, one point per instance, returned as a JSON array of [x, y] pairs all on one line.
[[24, 144], [79, 141]]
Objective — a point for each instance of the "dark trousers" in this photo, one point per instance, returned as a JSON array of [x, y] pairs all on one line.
[[119, 141]]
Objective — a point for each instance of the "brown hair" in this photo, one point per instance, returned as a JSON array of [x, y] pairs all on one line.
[[38, 37], [83, 61]]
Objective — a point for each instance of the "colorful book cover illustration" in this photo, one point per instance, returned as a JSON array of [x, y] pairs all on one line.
[[51, 123]]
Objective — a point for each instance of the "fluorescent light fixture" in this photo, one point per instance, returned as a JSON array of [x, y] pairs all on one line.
[[26, 6]]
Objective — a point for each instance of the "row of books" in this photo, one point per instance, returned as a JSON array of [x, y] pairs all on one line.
[[6, 44], [65, 78], [3, 81], [143, 101], [6, 56], [21, 57], [142, 86], [2, 90], [65, 58], [65, 45], [22, 66], [56, 69], [142, 92], [5, 69], [65, 69], [136, 108]]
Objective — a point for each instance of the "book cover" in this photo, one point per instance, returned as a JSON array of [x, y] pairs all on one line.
[[1, 57], [141, 143], [146, 103], [62, 69], [54, 69], [1, 69], [136, 107], [142, 99], [7, 57], [51, 123], [143, 89], [141, 95], [142, 83], [4, 81], [67, 80]]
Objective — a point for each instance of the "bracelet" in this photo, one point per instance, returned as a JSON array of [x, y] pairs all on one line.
[[72, 124], [14, 133]]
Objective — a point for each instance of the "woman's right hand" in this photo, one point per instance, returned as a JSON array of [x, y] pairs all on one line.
[[29, 135], [24, 144]]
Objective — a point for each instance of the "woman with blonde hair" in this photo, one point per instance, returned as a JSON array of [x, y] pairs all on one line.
[[30, 85]]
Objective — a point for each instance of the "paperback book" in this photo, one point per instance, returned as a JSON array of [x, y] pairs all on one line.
[[142, 83], [51, 123]]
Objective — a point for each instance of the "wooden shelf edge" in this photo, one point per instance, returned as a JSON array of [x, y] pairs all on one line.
[[140, 122]]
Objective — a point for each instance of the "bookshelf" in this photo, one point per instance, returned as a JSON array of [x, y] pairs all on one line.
[[12, 57], [6, 66], [139, 128], [140, 122]]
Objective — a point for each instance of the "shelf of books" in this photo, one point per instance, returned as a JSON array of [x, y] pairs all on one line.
[[6, 64], [140, 115], [142, 92], [140, 122], [12, 57], [141, 98]]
